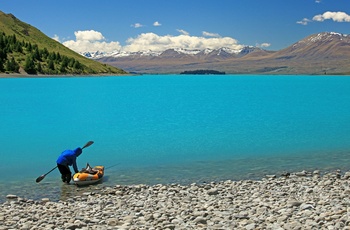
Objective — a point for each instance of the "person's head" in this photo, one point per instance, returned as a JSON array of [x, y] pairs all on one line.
[[78, 151]]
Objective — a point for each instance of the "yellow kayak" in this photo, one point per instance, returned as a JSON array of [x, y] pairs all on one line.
[[89, 175]]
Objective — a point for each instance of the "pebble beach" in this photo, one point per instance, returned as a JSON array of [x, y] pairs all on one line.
[[301, 200]]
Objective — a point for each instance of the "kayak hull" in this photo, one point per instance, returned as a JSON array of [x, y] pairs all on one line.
[[86, 178]]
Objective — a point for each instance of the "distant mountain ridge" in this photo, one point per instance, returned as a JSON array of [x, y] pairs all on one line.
[[221, 52], [322, 53]]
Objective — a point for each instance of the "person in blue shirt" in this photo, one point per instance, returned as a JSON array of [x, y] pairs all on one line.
[[66, 159]]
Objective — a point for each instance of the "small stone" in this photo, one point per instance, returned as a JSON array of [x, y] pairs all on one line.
[[11, 196], [112, 222], [213, 192], [346, 175], [200, 220], [302, 173], [45, 199], [306, 206]]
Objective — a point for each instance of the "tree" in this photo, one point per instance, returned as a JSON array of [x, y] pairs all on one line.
[[71, 62], [29, 66], [58, 57], [51, 65], [65, 61], [12, 65], [77, 65], [12, 39], [63, 69], [3, 54], [1, 65], [2, 42], [39, 68], [44, 53], [36, 54], [29, 47], [52, 56], [18, 47]]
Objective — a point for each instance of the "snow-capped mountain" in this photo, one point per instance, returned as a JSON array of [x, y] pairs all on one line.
[[320, 53], [319, 46], [224, 52]]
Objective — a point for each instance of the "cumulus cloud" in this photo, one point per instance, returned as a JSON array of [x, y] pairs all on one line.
[[304, 21], [137, 25], [88, 35], [335, 16], [151, 41], [208, 34], [91, 41], [156, 24]]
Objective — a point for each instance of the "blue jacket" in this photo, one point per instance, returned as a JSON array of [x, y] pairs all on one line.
[[69, 157]]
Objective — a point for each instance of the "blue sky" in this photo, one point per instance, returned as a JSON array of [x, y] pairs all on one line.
[[132, 25]]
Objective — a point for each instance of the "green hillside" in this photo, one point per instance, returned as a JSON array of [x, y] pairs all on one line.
[[25, 49]]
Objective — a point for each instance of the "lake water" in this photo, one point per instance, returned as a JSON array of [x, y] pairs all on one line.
[[154, 129]]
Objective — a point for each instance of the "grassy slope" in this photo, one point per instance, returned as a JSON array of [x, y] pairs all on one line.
[[11, 25]]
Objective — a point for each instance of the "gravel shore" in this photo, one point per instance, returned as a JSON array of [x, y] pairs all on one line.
[[302, 200]]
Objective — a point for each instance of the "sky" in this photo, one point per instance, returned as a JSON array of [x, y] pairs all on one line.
[[157, 25]]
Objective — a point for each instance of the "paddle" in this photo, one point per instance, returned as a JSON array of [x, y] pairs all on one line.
[[40, 178]]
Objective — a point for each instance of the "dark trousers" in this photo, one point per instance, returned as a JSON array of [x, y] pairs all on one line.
[[65, 172]]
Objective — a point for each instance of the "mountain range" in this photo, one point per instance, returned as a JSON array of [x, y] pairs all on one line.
[[322, 53]]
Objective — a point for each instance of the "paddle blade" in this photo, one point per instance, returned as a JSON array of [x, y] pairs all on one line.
[[40, 178], [88, 144]]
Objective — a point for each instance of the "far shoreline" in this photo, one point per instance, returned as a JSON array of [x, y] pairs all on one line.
[[28, 76], [19, 75]]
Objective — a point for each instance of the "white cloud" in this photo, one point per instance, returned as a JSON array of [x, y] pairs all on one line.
[[263, 45], [207, 34], [56, 38], [304, 21], [183, 32], [87, 41], [91, 41], [335, 16], [156, 24], [318, 1], [137, 25], [88, 35], [151, 41]]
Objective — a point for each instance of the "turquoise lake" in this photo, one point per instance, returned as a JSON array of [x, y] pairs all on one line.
[[154, 129]]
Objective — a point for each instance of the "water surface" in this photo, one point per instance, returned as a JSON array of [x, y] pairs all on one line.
[[171, 128]]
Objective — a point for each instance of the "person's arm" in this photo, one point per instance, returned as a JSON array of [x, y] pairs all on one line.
[[75, 167]]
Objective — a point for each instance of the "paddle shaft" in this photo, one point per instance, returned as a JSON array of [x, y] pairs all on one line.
[[51, 170]]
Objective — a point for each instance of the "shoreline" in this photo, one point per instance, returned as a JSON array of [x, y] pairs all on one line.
[[22, 75], [301, 200]]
